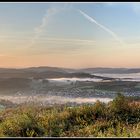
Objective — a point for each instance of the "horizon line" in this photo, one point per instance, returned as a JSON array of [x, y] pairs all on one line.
[[26, 67]]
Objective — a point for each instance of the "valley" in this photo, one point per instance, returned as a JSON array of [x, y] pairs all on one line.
[[48, 86]]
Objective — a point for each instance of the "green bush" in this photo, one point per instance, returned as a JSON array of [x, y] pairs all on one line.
[[21, 125], [119, 118], [119, 108]]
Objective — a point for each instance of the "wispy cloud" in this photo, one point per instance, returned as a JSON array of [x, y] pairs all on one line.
[[45, 20], [136, 7], [62, 45], [114, 35], [3, 55], [111, 3], [68, 40]]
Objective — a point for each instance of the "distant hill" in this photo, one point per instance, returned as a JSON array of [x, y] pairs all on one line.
[[56, 72], [111, 70], [85, 70]]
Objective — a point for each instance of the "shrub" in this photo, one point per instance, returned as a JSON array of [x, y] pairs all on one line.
[[21, 125], [119, 108], [119, 118], [99, 110]]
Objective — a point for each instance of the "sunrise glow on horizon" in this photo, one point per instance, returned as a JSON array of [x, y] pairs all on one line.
[[71, 35]]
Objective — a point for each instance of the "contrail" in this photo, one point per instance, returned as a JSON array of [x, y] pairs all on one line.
[[103, 27], [38, 30]]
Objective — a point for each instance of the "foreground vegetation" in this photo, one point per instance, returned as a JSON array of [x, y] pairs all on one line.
[[118, 118]]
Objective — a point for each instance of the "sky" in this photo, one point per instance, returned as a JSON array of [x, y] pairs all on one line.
[[71, 35]]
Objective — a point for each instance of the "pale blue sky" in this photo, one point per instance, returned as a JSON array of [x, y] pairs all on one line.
[[57, 34]]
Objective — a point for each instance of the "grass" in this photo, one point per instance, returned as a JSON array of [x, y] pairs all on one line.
[[118, 118]]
